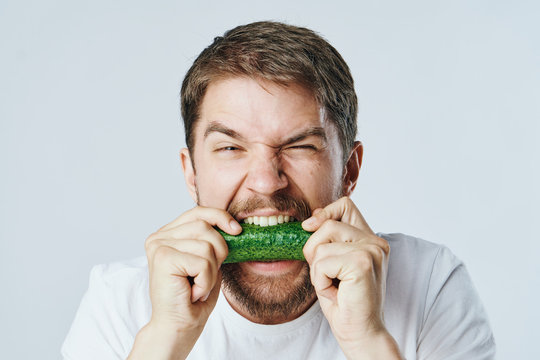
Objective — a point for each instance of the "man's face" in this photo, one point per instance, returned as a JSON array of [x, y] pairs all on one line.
[[264, 150]]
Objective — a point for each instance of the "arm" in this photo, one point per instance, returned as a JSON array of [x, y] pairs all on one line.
[[345, 251], [183, 262]]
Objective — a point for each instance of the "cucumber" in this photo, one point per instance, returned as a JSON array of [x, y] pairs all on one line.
[[266, 243]]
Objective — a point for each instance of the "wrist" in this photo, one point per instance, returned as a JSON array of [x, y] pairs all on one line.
[[163, 342], [377, 346]]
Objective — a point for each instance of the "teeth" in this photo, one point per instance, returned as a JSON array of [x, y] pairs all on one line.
[[268, 220]]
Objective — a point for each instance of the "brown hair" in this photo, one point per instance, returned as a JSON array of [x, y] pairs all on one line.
[[282, 54]]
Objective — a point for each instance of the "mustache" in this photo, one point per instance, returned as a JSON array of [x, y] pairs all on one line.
[[280, 202]]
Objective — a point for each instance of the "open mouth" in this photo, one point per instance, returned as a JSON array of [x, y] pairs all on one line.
[[268, 220]]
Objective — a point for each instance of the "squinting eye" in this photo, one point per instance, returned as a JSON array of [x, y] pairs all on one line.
[[227, 148], [304, 147]]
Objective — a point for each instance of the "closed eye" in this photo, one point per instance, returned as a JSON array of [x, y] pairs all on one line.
[[306, 146]]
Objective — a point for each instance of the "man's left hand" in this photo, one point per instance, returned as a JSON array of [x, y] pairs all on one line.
[[348, 265]]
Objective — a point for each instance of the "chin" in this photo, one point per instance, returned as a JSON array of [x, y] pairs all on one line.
[[269, 290]]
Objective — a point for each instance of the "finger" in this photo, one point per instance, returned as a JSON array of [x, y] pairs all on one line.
[[355, 255], [204, 281], [168, 262], [333, 249], [198, 230], [322, 278], [213, 216], [332, 231], [212, 297], [343, 210], [355, 272], [200, 248]]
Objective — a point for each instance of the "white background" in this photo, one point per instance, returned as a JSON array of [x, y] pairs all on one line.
[[90, 132]]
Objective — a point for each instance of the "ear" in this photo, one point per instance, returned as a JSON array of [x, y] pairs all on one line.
[[189, 173], [352, 168]]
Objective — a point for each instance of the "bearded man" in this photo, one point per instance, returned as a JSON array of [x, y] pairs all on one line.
[[270, 121]]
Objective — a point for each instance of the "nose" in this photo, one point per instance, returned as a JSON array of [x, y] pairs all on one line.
[[266, 175]]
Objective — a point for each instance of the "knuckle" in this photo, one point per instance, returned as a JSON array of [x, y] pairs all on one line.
[[161, 253], [202, 225], [384, 245], [207, 249], [314, 270], [324, 250], [329, 225], [308, 253], [319, 262], [151, 237], [207, 266], [375, 249], [198, 210], [364, 261], [315, 255], [150, 242]]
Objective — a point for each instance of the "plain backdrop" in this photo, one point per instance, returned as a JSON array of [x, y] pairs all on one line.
[[90, 132]]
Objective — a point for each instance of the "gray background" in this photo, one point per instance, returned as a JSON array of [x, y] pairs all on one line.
[[90, 132]]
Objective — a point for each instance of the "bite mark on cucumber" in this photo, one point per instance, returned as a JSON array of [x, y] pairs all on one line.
[[266, 243]]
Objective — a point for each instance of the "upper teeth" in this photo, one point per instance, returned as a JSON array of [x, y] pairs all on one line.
[[268, 220]]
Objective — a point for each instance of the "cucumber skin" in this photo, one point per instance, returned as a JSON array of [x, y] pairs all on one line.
[[266, 243]]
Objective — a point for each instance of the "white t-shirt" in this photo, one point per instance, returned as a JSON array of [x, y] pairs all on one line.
[[431, 309]]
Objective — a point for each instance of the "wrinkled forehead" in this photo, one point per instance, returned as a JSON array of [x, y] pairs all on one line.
[[259, 109]]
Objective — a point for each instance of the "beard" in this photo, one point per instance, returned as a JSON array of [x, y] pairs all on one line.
[[270, 297]]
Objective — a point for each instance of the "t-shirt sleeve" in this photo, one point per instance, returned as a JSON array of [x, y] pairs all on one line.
[[455, 324], [100, 330]]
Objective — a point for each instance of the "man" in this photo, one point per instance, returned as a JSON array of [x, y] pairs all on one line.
[[270, 121]]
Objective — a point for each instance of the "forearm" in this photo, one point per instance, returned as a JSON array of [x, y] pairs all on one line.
[[160, 343]]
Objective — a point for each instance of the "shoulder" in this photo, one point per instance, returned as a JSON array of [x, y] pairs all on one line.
[[431, 285], [417, 270], [119, 288], [113, 309], [126, 272], [409, 252]]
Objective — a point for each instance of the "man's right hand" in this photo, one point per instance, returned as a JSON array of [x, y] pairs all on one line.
[[184, 258]]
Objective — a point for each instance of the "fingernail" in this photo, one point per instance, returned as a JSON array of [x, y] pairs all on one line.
[[235, 225], [309, 221], [313, 217], [205, 297]]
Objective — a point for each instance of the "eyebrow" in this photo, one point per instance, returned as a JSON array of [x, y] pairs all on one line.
[[314, 131], [215, 126]]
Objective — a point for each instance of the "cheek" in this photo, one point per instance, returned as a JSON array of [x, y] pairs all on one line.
[[318, 180], [217, 183]]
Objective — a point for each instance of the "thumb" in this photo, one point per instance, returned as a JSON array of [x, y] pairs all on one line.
[[343, 210]]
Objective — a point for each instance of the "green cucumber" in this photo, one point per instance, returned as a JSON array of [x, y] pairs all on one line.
[[266, 243]]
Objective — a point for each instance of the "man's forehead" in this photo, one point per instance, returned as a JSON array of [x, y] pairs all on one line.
[[241, 105], [227, 90]]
